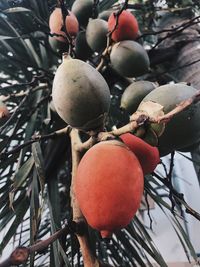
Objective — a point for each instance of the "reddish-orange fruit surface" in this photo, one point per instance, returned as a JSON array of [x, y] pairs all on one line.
[[147, 155], [56, 24], [109, 186], [127, 26]]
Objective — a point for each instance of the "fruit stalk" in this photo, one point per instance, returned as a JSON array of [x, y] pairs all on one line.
[[88, 257]]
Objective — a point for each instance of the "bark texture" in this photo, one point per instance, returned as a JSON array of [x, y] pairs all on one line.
[[185, 33]]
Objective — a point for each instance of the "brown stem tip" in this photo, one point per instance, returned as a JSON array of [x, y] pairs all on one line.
[[19, 256]]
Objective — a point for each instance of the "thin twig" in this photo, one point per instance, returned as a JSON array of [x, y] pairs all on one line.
[[65, 13], [169, 177], [137, 119], [148, 210], [20, 254], [36, 138], [178, 29]]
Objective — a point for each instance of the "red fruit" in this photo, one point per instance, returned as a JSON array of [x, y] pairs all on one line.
[[109, 186], [127, 26], [56, 24], [147, 155]]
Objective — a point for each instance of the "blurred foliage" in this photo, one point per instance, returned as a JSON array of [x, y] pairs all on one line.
[[35, 180]]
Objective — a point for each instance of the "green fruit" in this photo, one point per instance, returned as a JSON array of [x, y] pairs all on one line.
[[129, 59], [58, 46], [96, 34], [150, 137], [83, 10], [105, 14], [183, 129], [80, 94], [82, 49], [134, 94]]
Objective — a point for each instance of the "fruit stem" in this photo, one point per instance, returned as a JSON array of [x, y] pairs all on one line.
[[65, 56], [89, 258]]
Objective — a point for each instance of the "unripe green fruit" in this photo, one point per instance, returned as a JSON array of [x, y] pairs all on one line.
[[58, 46], [80, 94], [105, 14], [184, 128], [129, 59], [82, 49], [84, 9], [96, 34], [134, 93]]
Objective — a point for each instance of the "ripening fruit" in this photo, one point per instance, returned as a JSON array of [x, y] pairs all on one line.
[[147, 155], [134, 93], [56, 24], [80, 94], [4, 113], [84, 9], [109, 186], [96, 34], [183, 129], [129, 59], [127, 26]]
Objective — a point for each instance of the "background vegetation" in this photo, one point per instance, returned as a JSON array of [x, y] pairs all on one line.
[[35, 167]]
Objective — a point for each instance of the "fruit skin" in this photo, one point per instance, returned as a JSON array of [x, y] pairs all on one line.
[[129, 59], [96, 34], [147, 155], [109, 186], [80, 94], [82, 49], [57, 46], [184, 129], [105, 14], [4, 113], [56, 24], [134, 93], [84, 9], [127, 26]]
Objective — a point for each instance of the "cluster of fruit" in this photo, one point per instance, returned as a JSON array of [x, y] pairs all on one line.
[[110, 177], [123, 28]]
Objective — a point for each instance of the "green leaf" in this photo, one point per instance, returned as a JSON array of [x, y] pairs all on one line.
[[19, 215], [16, 9], [4, 37], [35, 214], [22, 173], [190, 159], [157, 256], [39, 164], [185, 238]]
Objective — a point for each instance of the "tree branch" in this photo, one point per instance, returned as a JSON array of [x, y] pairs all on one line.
[[89, 258]]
